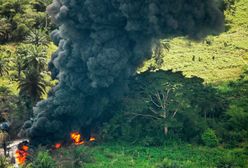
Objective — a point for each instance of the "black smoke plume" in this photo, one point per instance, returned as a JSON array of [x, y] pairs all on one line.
[[101, 44]]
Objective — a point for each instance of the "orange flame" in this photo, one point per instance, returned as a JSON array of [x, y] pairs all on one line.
[[21, 155], [57, 145], [25, 148], [92, 139], [76, 137]]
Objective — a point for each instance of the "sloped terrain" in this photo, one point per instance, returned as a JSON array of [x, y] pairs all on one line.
[[216, 58]]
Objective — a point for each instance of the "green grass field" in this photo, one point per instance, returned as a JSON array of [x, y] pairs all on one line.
[[126, 156], [216, 58]]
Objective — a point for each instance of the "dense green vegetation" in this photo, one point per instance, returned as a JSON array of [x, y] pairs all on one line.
[[24, 54], [164, 101], [187, 106], [172, 155], [126, 155]]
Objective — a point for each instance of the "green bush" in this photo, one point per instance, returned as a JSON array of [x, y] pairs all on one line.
[[20, 32], [19, 17], [43, 160], [166, 163], [229, 4], [80, 156], [73, 157], [235, 123], [231, 161], [209, 138], [4, 163], [141, 131]]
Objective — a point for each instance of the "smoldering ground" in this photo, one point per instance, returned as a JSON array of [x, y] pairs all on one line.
[[100, 45]]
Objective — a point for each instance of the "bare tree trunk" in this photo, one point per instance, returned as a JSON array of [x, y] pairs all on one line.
[[165, 130]]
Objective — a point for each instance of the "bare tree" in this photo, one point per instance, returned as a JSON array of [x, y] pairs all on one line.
[[163, 108]]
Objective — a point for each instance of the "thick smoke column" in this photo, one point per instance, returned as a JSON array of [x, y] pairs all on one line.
[[101, 43]]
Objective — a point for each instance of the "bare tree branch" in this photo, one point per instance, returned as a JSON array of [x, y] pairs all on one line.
[[175, 112], [152, 110], [154, 102]]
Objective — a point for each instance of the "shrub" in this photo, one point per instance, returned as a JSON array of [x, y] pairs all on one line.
[[231, 161], [43, 160], [225, 162], [73, 157], [166, 163], [229, 4], [235, 121], [4, 162], [209, 138], [139, 131], [81, 155]]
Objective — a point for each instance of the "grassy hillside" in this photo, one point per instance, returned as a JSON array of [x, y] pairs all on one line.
[[217, 58]]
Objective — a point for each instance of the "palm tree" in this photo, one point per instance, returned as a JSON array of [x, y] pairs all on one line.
[[21, 52], [4, 65], [30, 57], [40, 5], [32, 85], [35, 58], [37, 37], [5, 29], [31, 63]]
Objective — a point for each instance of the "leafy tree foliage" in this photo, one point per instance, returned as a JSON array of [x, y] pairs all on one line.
[[5, 28], [44, 160], [209, 138], [236, 117], [31, 64], [4, 163], [18, 18], [141, 115], [4, 64], [37, 37], [7, 100], [15, 108], [32, 86], [35, 58]]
